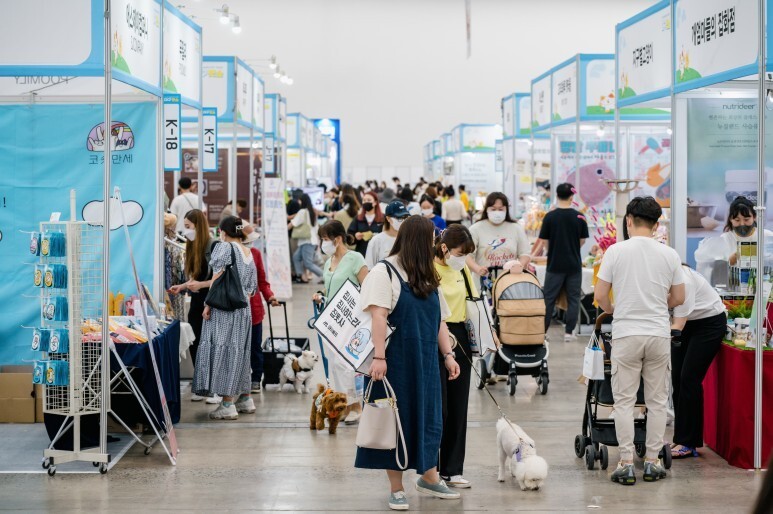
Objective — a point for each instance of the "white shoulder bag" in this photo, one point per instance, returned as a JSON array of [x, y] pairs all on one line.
[[380, 426]]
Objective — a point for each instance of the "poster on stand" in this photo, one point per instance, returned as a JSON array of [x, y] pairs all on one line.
[[172, 133], [209, 123], [135, 50], [182, 56], [74, 134], [274, 226]]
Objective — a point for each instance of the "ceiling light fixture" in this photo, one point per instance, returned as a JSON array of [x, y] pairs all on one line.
[[237, 27], [273, 65], [277, 73], [225, 17]]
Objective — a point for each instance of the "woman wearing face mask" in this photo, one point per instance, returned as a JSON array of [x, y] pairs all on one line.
[[305, 222], [451, 251], [342, 265], [350, 206], [427, 205], [498, 239], [368, 222], [380, 246], [741, 227], [198, 252]]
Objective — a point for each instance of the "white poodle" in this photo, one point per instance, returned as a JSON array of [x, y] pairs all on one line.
[[298, 370], [525, 465]]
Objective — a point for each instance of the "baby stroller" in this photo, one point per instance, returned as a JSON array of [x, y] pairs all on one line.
[[599, 432], [519, 321]]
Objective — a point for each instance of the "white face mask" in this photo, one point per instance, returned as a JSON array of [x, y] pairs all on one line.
[[496, 217], [427, 212], [328, 247], [395, 223], [456, 263], [189, 234]]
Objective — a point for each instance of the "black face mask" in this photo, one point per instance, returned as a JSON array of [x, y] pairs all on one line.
[[367, 206], [744, 230]]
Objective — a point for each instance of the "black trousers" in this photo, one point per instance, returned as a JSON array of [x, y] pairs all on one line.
[[554, 282], [701, 340], [196, 320], [256, 352], [456, 395]]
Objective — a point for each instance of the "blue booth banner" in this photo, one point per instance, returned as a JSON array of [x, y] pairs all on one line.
[[209, 121], [46, 150]]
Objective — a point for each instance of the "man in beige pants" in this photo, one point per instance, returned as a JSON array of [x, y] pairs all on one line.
[[646, 279]]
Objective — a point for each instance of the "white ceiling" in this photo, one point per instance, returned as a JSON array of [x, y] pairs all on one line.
[[395, 71]]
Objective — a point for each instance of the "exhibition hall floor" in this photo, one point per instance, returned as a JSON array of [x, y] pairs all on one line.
[[270, 461]]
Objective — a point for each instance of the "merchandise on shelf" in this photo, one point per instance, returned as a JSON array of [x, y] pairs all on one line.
[[40, 339]]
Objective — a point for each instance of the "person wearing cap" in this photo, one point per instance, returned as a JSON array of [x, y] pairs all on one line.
[[385, 197], [382, 243], [185, 202]]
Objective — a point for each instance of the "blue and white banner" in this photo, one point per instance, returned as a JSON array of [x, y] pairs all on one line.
[[46, 150], [173, 151], [209, 123]]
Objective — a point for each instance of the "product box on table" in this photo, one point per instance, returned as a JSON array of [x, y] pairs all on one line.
[[17, 395]]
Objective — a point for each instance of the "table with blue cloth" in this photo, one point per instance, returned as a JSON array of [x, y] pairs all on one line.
[[136, 357]]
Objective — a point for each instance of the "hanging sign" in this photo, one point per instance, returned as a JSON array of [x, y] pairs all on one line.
[[348, 329], [599, 88], [135, 50], [564, 93], [282, 119], [269, 164], [644, 57], [172, 135], [257, 104], [182, 56], [209, 117], [523, 115], [269, 106], [508, 116], [217, 76], [540, 94], [716, 41], [243, 94]]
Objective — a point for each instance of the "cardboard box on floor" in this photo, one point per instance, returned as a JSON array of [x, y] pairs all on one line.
[[21, 401]]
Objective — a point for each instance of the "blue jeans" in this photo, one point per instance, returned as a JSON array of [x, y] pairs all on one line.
[[304, 258], [256, 352]]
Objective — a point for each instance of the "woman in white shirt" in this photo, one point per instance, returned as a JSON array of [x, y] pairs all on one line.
[[741, 227], [403, 290], [698, 327], [381, 244], [304, 224], [453, 208], [498, 239]]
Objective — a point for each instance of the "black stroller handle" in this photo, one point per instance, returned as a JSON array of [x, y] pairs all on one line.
[[600, 319]]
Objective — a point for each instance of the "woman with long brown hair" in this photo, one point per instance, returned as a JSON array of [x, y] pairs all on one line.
[[198, 251], [404, 290], [368, 223]]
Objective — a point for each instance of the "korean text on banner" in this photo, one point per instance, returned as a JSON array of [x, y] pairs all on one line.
[[182, 57], [644, 56], [209, 117], [135, 51], [173, 155], [348, 329], [269, 165], [564, 93], [277, 243]]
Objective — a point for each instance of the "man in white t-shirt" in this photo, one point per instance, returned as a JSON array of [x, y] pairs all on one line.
[[185, 202], [646, 280]]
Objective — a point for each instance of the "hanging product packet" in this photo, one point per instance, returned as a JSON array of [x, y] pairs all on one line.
[[35, 243], [45, 244], [38, 277], [48, 275], [39, 372], [57, 244], [59, 342], [41, 339], [58, 276]]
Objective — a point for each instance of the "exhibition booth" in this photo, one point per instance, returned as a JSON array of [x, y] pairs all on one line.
[[474, 147]]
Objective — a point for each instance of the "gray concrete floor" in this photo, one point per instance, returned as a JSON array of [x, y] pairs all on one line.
[[270, 461]]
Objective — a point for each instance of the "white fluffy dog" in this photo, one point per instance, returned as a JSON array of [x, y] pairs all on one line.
[[525, 465], [298, 370]]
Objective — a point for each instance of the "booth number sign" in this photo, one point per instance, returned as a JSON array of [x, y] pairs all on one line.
[[172, 143], [209, 161]]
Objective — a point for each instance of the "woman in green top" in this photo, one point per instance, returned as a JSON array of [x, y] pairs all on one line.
[[342, 265]]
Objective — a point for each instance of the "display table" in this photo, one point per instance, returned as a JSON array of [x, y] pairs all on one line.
[[728, 414], [587, 278]]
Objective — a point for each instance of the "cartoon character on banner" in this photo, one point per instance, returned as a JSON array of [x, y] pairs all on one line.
[[658, 176], [358, 342], [593, 189], [121, 137]]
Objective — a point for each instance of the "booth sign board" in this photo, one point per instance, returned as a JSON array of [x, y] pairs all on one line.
[[172, 133], [523, 114], [540, 94], [216, 76], [209, 160], [135, 50], [508, 116], [564, 93], [243, 94], [257, 104], [182, 57]]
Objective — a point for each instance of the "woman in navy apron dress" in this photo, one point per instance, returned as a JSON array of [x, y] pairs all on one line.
[[410, 360]]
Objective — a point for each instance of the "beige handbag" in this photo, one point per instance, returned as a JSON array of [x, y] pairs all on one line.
[[380, 426]]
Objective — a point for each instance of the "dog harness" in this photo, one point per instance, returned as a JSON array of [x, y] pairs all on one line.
[[318, 402], [297, 367], [517, 452]]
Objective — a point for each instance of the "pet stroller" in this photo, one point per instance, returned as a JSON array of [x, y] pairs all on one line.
[[519, 321], [275, 348], [599, 432]]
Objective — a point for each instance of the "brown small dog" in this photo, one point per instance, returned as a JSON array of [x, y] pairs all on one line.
[[327, 404]]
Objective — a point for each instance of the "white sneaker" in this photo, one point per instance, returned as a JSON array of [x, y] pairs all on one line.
[[570, 338], [256, 388], [246, 406], [214, 399], [398, 501], [223, 412], [352, 418], [196, 398], [458, 481]]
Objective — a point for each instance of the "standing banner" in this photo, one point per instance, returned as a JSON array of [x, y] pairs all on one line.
[[173, 152], [209, 116], [74, 134], [348, 329], [277, 243], [269, 163]]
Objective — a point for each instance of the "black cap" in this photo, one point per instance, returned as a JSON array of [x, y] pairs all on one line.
[[396, 209]]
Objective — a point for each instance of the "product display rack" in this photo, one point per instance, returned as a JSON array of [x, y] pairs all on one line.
[[83, 395]]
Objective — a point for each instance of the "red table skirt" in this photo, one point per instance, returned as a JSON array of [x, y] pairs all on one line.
[[728, 413]]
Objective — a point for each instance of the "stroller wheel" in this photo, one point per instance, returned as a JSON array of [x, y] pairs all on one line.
[[579, 446], [665, 454], [641, 450], [512, 383], [543, 383], [604, 457], [482, 375], [590, 457]]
